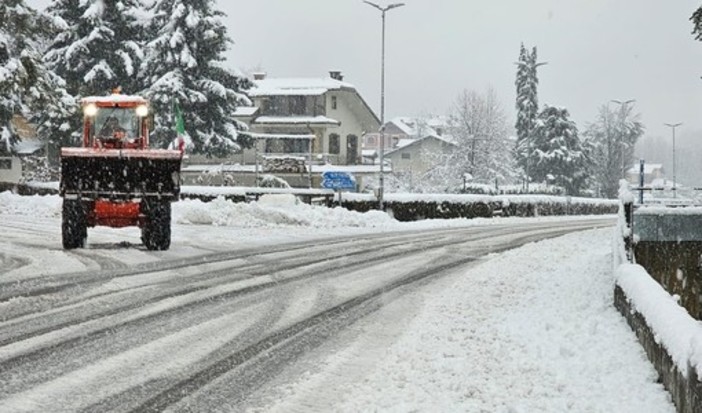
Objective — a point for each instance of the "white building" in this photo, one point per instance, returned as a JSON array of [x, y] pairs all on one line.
[[417, 156], [328, 108], [303, 124]]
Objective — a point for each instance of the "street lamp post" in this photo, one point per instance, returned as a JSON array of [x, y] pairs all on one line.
[[623, 144], [673, 126], [383, 10]]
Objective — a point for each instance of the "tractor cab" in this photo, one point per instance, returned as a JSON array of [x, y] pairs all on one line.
[[115, 122]]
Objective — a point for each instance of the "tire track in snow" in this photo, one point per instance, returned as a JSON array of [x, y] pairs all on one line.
[[207, 304], [71, 314], [77, 316]]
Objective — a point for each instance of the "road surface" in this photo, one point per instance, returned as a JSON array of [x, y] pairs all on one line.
[[131, 330]]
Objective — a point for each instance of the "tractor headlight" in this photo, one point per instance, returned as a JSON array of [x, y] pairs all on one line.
[[90, 110], [142, 110]]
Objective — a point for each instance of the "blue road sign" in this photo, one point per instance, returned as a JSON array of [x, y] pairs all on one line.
[[338, 180]]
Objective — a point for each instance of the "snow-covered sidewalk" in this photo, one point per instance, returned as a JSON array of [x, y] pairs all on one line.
[[531, 330]]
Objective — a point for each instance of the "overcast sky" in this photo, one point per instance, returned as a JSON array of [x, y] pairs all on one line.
[[597, 50]]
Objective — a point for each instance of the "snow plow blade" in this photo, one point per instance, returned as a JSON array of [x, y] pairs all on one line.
[[89, 173]]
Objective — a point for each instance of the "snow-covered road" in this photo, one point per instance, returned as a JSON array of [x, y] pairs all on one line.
[[287, 318]]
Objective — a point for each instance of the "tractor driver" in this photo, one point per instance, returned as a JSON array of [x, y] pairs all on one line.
[[112, 129]]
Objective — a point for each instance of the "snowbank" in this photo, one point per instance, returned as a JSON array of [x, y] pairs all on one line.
[[35, 205], [674, 328], [530, 330], [269, 211], [274, 210]]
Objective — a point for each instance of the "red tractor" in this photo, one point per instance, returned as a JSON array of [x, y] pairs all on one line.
[[114, 179]]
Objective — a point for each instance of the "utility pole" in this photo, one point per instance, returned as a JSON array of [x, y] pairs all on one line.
[[383, 10], [675, 186], [622, 111]]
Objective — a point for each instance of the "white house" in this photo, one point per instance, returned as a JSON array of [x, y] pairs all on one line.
[[328, 108], [401, 128], [299, 125], [653, 173], [11, 167], [417, 156]]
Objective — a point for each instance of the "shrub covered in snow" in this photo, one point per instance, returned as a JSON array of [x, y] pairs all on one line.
[[411, 207]]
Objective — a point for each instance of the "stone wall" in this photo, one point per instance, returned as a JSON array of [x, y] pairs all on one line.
[[686, 392]]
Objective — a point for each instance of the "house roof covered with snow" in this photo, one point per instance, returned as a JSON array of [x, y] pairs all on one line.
[[649, 168], [245, 111], [296, 86], [113, 98], [404, 143], [296, 120], [415, 127]]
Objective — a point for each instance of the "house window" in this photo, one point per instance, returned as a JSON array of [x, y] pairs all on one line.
[[334, 144], [370, 140], [405, 156], [297, 105], [5, 163], [333, 102], [351, 149]]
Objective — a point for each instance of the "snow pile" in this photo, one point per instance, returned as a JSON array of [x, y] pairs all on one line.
[[274, 210], [269, 211], [622, 230], [532, 330], [666, 210], [675, 329], [625, 195], [35, 205]]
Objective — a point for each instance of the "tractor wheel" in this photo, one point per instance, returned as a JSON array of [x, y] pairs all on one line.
[[74, 228], [156, 233]]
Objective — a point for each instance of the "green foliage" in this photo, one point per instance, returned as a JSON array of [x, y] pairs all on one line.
[[98, 47], [696, 19], [183, 60], [527, 103], [558, 154], [26, 86]]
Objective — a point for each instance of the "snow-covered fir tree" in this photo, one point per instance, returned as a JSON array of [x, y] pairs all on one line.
[[527, 103], [558, 155], [696, 20], [613, 136], [26, 86], [183, 62], [99, 46]]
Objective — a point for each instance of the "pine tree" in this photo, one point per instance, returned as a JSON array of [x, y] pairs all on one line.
[[558, 154], [527, 103], [184, 62], [26, 86], [99, 47], [696, 19], [613, 137]]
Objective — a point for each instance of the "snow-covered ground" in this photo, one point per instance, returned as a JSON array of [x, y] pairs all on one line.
[[529, 330]]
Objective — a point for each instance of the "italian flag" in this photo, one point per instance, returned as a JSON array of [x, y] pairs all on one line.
[[182, 139]]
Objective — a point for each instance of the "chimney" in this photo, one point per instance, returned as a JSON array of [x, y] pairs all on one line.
[[336, 75], [259, 75]]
